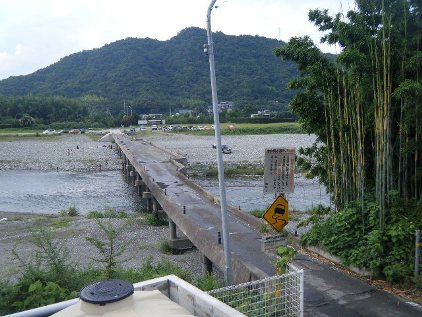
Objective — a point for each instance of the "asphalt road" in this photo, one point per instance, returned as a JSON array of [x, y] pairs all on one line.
[[328, 291], [331, 292]]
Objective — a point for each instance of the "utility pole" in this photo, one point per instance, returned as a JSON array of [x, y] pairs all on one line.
[[208, 48]]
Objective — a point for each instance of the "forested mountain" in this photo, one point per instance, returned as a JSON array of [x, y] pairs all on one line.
[[155, 75]]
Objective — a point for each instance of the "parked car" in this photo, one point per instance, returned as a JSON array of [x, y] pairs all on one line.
[[224, 148], [49, 131], [154, 127]]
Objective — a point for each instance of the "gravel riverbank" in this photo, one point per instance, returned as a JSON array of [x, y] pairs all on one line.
[[77, 153], [245, 148], [80, 153], [142, 241]]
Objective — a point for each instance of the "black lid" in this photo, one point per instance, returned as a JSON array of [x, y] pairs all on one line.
[[108, 291]]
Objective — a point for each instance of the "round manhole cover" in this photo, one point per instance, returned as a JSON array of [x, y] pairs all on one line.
[[108, 291]]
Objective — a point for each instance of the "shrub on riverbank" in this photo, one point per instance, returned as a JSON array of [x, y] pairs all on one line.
[[230, 170], [48, 275], [109, 213], [387, 253]]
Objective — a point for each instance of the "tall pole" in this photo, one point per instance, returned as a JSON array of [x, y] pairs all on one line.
[[228, 272]]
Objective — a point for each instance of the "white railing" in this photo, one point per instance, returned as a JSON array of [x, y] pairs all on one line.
[[280, 295]]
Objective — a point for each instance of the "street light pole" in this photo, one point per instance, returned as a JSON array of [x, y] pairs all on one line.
[[228, 273]]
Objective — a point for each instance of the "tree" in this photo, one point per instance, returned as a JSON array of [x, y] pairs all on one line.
[[365, 106], [26, 121]]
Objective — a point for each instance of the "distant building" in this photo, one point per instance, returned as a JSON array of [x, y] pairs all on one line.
[[152, 116], [185, 111], [261, 114], [223, 106]]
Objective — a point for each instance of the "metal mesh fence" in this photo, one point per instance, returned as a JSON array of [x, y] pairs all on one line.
[[270, 297]]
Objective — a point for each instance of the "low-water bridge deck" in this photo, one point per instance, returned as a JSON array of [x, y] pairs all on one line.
[[160, 179]]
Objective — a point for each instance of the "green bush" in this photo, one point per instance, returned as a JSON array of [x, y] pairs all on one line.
[[355, 236], [155, 220], [149, 270], [285, 254], [165, 247], [41, 294], [257, 213], [48, 275], [70, 212], [109, 213], [109, 245], [209, 282]]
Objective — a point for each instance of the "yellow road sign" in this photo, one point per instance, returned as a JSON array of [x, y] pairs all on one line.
[[277, 215]]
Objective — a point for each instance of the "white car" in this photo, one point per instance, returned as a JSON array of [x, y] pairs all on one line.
[[49, 131]]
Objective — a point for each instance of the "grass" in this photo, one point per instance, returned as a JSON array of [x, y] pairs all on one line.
[[110, 213], [19, 132], [257, 212], [249, 128], [60, 223], [155, 220], [235, 170], [165, 247]]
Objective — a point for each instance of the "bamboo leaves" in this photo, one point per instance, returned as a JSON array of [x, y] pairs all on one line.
[[366, 107]]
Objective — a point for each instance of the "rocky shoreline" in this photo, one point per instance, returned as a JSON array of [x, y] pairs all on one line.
[[75, 153], [142, 241], [80, 153]]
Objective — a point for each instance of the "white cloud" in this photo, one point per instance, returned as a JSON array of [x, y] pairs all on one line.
[[35, 34]]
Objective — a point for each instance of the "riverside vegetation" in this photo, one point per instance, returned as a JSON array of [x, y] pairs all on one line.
[[49, 275], [365, 108]]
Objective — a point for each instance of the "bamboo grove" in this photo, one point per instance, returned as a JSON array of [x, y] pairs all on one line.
[[364, 105]]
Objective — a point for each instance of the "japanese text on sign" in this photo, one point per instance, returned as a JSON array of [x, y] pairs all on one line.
[[279, 170]]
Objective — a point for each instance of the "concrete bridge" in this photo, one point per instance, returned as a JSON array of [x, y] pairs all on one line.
[[194, 214]]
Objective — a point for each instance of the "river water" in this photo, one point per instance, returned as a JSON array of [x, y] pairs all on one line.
[[50, 175], [52, 191], [248, 193]]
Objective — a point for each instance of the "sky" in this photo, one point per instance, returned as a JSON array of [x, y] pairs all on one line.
[[37, 33]]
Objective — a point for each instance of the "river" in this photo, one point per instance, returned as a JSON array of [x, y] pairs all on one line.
[[52, 191], [48, 175]]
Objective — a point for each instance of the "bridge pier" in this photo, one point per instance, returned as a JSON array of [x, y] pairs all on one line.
[[206, 265], [139, 184], [173, 231], [128, 168], [178, 243], [123, 157], [132, 175], [148, 196], [156, 207]]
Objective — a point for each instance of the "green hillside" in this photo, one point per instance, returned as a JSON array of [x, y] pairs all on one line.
[[157, 75]]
